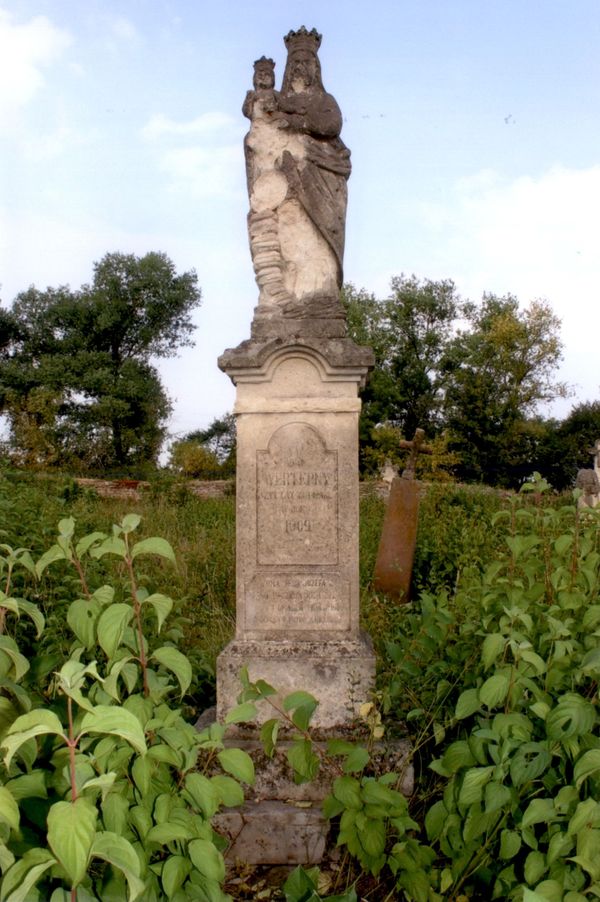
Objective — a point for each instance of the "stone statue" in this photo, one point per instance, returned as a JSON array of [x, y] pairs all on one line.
[[589, 480], [297, 169]]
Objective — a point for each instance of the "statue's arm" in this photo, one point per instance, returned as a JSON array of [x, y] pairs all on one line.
[[319, 116], [248, 105]]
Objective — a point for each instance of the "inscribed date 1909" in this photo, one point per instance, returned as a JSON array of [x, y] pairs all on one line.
[[297, 498]]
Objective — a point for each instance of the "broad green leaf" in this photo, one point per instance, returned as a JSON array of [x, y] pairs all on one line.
[[24, 874], [176, 662], [529, 762], [121, 854], [6, 858], [166, 833], [302, 705], [104, 595], [28, 786], [531, 657], [103, 784], [117, 721], [207, 859], [268, 736], [54, 553], [301, 885], [237, 763], [510, 843], [162, 607], [473, 784], [71, 831], [110, 684], [130, 522], [81, 617], [572, 716], [154, 545], [496, 797], [435, 820], [356, 760], [112, 625], [86, 542], [35, 723], [347, 791], [586, 813], [174, 873], [298, 699], [303, 760], [588, 764], [241, 713], [535, 867], [538, 811], [66, 527], [18, 662], [457, 756], [495, 689], [111, 545], [34, 614], [9, 810], [373, 837], [204, 794], [468, 703], [228, 790], [493, 646]]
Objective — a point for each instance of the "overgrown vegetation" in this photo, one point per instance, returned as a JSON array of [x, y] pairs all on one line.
[[492, 672]]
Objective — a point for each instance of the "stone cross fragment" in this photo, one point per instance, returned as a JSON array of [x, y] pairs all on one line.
[[395, 557], [415, 447]]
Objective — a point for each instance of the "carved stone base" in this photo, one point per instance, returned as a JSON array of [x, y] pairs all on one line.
[[282, 822], [340, 673]]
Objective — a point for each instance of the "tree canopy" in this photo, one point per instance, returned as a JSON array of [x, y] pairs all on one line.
[[77, 382], [475, 373]]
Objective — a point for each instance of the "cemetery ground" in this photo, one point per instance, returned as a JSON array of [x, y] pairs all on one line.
[[491, 672]]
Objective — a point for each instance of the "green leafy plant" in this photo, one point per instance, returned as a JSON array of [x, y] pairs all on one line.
[[101, 794]]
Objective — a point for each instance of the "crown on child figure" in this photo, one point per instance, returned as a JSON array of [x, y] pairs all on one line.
[[264, 63], [303, 39]]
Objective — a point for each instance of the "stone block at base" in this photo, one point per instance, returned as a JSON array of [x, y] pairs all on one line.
[[340, 673], [271, 832]]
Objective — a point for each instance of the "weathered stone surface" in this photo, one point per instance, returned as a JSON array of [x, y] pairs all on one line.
[[396, 553], [339, 673], [297, 168], [281, 821], [270, 832]]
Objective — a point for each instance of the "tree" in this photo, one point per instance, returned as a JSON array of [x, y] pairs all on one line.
[[207, 453], [88, 353], [408, 332], [497, 372], [566, 445]]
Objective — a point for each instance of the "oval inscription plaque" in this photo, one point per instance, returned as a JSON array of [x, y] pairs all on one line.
[[297, 498]]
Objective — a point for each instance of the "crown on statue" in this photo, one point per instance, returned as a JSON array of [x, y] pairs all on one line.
[[264, 63], [303, 40]]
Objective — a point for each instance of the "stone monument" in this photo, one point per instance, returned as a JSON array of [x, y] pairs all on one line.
[[297, 380], [589, 480]]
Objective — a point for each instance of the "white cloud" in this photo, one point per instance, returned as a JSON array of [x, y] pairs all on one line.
[[125, 30], [207, 125], [536, 237], [25, 49], [204, 171]]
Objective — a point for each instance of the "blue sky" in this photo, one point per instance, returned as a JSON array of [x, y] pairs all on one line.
[[474, 128]]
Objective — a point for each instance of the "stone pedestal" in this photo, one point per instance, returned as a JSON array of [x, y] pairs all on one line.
[[297, 623]]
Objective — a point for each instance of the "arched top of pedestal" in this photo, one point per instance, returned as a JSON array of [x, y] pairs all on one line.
[[331, 360]]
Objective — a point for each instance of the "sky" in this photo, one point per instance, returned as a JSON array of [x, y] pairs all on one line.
[[474, 128]]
